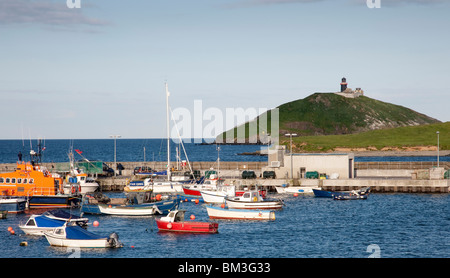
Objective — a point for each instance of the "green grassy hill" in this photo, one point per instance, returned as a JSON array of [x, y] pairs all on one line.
[[328, 113], [325, 121], [400, 138]]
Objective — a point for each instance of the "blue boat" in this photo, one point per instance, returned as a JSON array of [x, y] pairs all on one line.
[[337, 194], [190, 198], [53, 201], [75, 236], [39, 224], [13, 204]]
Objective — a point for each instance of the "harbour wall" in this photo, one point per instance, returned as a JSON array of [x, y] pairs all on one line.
[[414, 177]]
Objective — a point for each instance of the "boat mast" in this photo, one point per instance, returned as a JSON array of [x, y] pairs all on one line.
[[168, 133]]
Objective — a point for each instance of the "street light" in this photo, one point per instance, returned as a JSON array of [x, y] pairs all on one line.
[[115, 163], [290, 135], [437, 132]]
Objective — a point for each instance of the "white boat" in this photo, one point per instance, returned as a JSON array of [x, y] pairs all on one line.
[[75, 236], [81, 183], [296, 189], [154, 186], [252, 200], [39, 224], [78, 182], [129, 210], [218, 196], [244, 214]]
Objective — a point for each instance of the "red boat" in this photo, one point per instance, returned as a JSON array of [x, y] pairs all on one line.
[[174, 222]]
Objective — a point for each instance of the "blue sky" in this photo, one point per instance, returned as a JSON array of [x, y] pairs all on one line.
[[100, 69]]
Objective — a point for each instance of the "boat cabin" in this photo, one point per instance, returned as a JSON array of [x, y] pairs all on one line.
[[251, 196], [174, 216], [28, 180]]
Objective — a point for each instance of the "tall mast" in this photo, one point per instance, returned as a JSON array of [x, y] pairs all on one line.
[[168, 133]]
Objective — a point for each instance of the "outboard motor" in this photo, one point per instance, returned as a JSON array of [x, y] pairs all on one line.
[[113, 241]]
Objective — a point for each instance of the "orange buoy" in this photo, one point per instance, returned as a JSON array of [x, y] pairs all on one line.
[[158, 197], [12, 232], [295, 194], [222, 206], [192, 217], [10, 229], [95, 223], [196, 201]]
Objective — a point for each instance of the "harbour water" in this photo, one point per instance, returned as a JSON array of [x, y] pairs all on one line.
[[384, 225], [150, 150]]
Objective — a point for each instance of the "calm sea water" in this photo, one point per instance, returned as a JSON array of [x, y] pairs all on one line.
[[126, 150], [155, 150], [384, 225]]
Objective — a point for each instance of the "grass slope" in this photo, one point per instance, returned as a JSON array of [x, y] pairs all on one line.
[[328, 113], [401, 137]]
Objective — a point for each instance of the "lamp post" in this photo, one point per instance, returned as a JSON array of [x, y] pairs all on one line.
[[437, 132], [115, 162], [292, 167]]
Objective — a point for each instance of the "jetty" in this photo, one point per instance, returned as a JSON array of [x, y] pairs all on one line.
[[382, 177]]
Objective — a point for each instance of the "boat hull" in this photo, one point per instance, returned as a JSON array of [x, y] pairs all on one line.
[[162, 207], [75, 236], [363, 193], [55, 201], [134, 210], [240, 214], [188, 227], [13, 205], [85, 188], [253, 205], [213, 197], [86, 243], [190, 198], [296, 189]]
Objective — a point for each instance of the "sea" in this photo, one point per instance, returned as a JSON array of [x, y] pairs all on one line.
[[394, 225], [56, 150]]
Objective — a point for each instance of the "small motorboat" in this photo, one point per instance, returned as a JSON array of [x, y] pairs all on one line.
[[296, 189], [224, 212], [136, 204], [252, 200], [59, 214], [174, 222], [75, 236], [129, 210], [39, 224], [332, 194], [350, 197], [218, 196]]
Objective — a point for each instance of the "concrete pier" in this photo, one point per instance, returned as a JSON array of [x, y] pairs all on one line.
[[411, 177]]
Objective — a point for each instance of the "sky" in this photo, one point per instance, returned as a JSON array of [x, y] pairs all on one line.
[[100, 69]]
